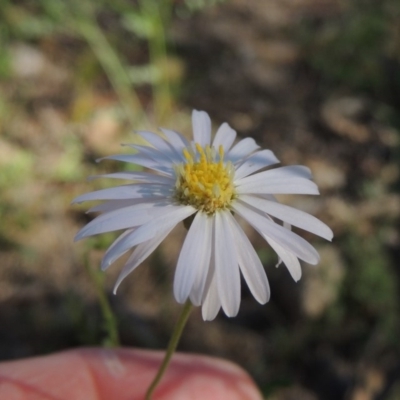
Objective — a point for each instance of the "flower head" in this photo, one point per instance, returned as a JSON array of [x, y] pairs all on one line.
[[208, 182]]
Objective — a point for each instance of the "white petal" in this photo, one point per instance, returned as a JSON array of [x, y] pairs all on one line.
[[126, 192], [285, 238], [212, 303], [225, 137], [156, 141], [141, 252], [255, 162], [160, 144], [194, 258], [163, 222], [124, 243], [116, 204], [170, 215], [290, 215], [201, 127], [143, 161], [196, 294], [126, 217], [283, 180], [270, 197], [290, 171], [250, 264], [176, 139], [226, 265], [289, 259], [139, 176], [164, 159], [122, 237], [242, 149], [286, 226]]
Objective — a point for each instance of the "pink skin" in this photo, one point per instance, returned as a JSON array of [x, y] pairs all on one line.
[[94, 374]]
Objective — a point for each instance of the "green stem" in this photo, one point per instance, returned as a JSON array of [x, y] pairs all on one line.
[[110, 321], [173, 343]]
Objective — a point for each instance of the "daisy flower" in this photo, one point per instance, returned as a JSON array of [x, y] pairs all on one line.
[[206, 183]]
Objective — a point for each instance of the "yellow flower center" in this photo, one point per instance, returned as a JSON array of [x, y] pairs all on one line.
[[204, 181]]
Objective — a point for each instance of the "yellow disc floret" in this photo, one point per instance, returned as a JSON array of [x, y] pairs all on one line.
[[204, 181]]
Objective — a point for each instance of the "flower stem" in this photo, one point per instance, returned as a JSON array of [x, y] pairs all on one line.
[[173, 343], [110, 321]]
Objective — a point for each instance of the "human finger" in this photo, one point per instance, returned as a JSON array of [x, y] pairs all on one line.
[[123, 374]]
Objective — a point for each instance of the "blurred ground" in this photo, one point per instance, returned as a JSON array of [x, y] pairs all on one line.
[[316, 81]]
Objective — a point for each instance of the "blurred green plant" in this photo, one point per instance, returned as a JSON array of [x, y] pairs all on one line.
[[5, 59], [358, 48], [194, 5], [68, 168], [80, 18], [112, 65], [16, 166], [369, 290], [372, 281], [23, 21], [149, 23], [147, 20]]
